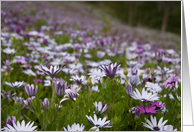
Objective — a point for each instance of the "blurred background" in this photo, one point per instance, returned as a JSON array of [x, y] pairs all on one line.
[[161, 15]]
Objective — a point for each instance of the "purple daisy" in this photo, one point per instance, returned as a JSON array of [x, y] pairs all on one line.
[[31, 89], [147, 110], [110, 70], [170, 81], [159, 55], [52, 71], [157, 104]]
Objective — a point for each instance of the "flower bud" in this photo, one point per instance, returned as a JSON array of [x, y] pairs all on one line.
[[89, 81], [137, 115], [125, 71], [140, 74], [178, 116]]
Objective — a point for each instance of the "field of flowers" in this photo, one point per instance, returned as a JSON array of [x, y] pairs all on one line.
[[73, 76]]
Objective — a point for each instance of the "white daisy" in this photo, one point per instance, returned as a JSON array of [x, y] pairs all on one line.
[[97, 74], [100, 54], [95, 88], [71, 92], [69, 71], [78, 79], [74, 127], [9, 51], [100, 108], [29, 72], [20, 127], [145, 96], [15, 84], [101, 123], [153, 125], [52, 71], [154, 88], [168, 128]]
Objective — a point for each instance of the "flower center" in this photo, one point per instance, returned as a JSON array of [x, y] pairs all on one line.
[[143, 100], [156, 128]]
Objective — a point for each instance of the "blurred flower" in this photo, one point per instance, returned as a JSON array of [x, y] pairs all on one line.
[[10, 121], [100, 54], [29, 72], [15, 84], [71, 92], [133, 64], [154, 88], [129, 89], [78, 79], [97, 74], [8, 95], [30, 89], [153, 125], [158, 104], [69, 71], [9, 51], [134, 110], [7, 66], [168, 128], [100, 108], [37, 81], [172, 97], [145, 97], [52, 71], [163, 110], [170, 81], [110, 70], [99, 122], [40, 73], [95, 88], [20, 127], [134, 79], [21, 61], [29, 100], [147, 110], [60, 86], [159, 55], [45, 104], [75, 127], [19, 99]]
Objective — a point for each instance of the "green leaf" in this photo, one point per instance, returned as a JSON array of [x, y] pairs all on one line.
[[30, 107], [174, 95], [41, 120]]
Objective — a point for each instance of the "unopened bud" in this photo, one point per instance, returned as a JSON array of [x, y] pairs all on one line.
[[61, 58], [140, 75], [75, 62], [125, 71], [178, 116], [89, 81], [152, 71]]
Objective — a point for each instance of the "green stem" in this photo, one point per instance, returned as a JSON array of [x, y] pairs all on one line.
[[135, 126], [112, 90], [75, 113], [146, 123], [53, 92], [56, 112]]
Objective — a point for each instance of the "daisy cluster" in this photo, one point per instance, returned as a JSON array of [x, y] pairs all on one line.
[[65, 75]]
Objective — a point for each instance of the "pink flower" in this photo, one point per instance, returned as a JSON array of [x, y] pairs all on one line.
[[157, 104], [21, 61], [170, 81], [147, 110], [38, 80]]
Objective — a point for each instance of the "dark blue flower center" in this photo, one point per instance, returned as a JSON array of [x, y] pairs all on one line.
[[156, 128]]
